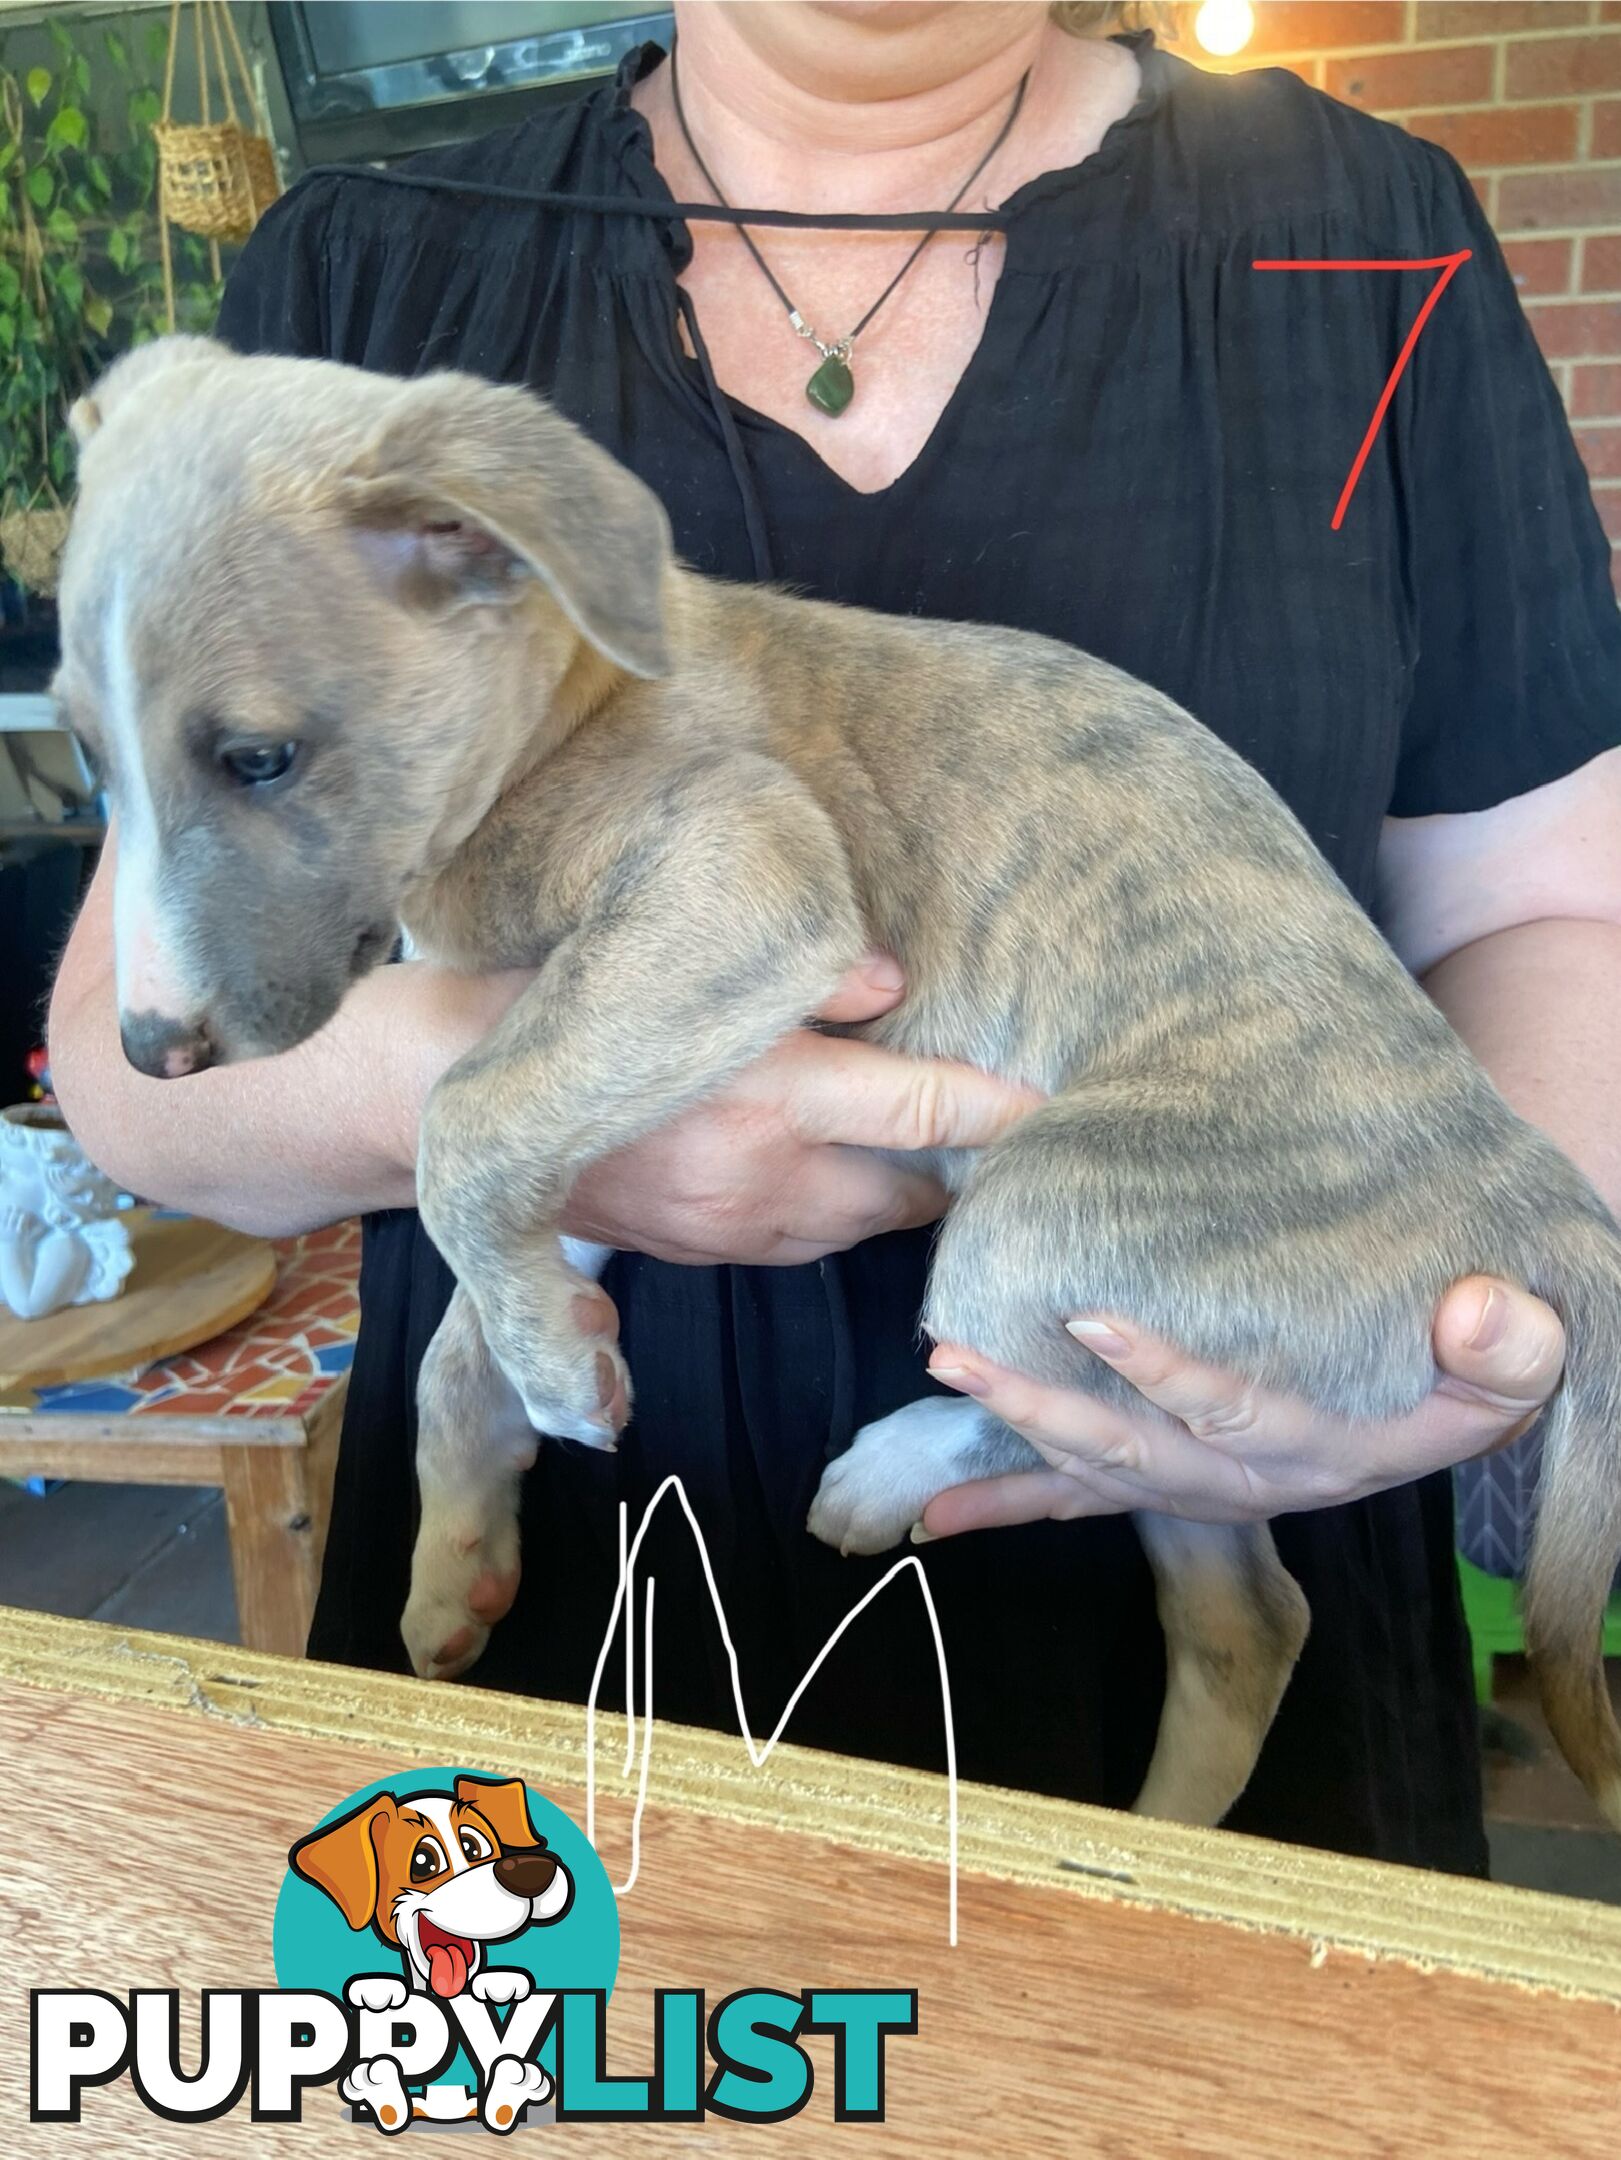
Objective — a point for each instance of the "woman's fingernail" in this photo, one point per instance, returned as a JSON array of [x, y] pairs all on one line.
[[885, 974], [960, 1378], [920, 1536], [1490, 1328], [1099, 1336]]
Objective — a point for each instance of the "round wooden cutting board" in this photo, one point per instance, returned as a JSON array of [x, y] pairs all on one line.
[[191, 1281]]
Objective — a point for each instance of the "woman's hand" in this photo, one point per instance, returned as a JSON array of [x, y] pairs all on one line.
[[1235, 1454], [770, 1171]]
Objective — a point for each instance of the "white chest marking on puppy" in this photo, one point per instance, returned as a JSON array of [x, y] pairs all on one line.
[[142, 983]]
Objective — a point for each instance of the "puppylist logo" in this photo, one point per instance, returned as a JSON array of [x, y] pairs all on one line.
[[445, 1947]]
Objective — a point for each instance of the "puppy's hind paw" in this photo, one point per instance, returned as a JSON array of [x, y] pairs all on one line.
[[513, 2086], [378, 2087], [871, 1496]]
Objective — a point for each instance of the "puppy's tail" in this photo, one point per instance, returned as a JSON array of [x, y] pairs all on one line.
[[1577, 1541]]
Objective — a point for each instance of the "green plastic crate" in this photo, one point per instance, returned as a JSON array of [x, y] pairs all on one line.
[[1491, 1606]]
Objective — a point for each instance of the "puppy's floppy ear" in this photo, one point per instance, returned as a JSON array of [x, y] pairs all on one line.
[[133, 372], [342, 1858], [504, 1806], [469, 491]]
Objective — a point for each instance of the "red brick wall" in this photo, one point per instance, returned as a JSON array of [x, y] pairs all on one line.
[[1526, 94]]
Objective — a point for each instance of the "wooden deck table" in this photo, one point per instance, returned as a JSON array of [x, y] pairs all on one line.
[[1121, 1988], [255, 1411]]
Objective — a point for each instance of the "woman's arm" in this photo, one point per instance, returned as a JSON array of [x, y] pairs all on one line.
[[1540, 1006], [1511, 919], [774, 1169], [1513, 915]]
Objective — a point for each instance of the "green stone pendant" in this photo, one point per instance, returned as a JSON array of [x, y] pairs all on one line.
[[832, 387]]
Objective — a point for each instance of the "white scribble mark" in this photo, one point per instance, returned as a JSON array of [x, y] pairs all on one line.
[[630, 1654], [629, 1882], [641, 1738]]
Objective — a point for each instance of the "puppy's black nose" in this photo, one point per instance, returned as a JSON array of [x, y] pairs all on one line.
[[526, 1873], [166, 1049]]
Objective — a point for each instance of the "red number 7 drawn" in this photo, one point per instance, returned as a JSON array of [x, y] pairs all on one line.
[[1449, 266]]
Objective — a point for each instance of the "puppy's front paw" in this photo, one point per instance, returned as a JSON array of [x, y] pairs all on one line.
[[501, 1984], [513, 2086], [379, 2087], [583, 1396], [870, 1496], [855, 1511], [377, 1991], [551, 1330]]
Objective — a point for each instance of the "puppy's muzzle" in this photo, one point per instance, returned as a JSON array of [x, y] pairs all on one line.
[[166, 1049], [527, 1873]]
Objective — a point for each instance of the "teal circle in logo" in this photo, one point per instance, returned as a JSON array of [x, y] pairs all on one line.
[[325, 1931]]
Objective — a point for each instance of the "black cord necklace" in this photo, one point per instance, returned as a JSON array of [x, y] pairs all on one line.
[[832, 385]]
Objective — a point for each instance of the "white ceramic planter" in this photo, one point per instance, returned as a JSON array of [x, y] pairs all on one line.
[[61, 1239]]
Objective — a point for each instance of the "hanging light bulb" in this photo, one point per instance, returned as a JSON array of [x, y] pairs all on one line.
[[1224, 27]]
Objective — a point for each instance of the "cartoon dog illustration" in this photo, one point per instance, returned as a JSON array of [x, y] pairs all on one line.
[[437, 1876]]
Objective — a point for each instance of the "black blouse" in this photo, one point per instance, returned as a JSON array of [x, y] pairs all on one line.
[[1143, 457]]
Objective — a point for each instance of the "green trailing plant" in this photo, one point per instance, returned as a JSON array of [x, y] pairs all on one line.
[[81, 277]]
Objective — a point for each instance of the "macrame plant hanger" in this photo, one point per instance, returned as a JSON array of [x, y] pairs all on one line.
[[216, 178], [32, 534]]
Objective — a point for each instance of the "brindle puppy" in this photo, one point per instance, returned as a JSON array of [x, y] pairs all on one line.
[[359, 652]]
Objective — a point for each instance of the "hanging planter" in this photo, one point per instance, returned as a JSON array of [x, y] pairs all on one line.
[[33, 533], [81, 272], [31, 543], [216, 178]]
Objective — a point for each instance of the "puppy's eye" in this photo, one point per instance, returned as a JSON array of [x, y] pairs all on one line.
[[427, 1858], [254, 765], [475, 1847]]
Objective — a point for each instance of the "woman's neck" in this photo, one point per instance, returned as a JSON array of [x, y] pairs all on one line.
[[836, 108], [852, 124]]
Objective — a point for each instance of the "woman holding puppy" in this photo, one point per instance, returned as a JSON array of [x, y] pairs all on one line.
[[1097, 420]]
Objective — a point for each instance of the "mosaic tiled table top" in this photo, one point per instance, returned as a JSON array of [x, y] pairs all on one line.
[[279, 1362]]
